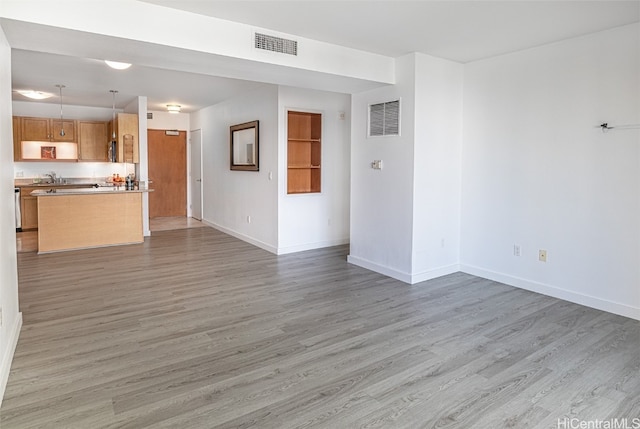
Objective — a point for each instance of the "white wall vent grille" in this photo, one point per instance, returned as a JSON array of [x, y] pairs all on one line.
[[384, 119], [276, 44]]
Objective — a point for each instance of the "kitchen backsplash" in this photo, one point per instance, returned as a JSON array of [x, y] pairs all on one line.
[[71, 169]]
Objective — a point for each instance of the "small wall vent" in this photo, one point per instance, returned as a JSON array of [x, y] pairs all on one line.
[[384, 119], [149, 115], [275, 44]]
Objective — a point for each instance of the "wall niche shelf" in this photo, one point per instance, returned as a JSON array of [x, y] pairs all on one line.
[[304, 152]]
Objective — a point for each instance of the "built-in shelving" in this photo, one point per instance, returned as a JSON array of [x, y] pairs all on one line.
[[304, 152]]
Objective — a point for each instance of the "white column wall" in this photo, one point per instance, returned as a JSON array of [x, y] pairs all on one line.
[[11, 318], [382, 200], [310, 221], [437, 151]]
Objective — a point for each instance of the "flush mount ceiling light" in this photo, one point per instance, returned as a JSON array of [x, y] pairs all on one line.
[[116, 65], [174, 108], [36, 95]]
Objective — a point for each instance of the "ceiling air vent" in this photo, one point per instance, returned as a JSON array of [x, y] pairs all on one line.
[[384, 119], [276, 44]]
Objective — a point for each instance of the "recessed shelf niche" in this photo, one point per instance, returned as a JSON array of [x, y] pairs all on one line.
[[304, 152]]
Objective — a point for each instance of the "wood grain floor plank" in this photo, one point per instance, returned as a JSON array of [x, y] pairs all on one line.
[[196, 329]]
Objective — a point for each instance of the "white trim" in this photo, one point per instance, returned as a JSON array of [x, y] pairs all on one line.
[[5, 364], [243, 237], [311, 246], [554, 291], [387, 271], [402, 276], [435, 273]]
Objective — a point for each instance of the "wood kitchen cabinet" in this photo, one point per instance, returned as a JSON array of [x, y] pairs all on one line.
[[47, 129], [125, 127], [29, 203], [93, 141], [17, 151], [29, 209]]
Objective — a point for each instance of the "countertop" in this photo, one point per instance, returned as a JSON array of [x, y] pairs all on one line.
[[29, 183], [86, 191]]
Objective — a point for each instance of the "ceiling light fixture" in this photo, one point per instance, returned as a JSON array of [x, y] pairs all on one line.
[[62, 133], [116, 65], [174, 108], [36, 95]]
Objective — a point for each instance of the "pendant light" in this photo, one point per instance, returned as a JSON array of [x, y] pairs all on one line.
[[113, 145], [62, 133], [113, 114]]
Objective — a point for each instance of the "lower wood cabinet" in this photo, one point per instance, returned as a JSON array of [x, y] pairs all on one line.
[[29, 203], [29, 208]]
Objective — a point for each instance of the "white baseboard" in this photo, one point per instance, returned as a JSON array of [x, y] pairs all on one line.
[[401, 275], [311, 246], [243, 237], [556, 292], [5, 364], [435, 273], [387, 271], [273, 249]]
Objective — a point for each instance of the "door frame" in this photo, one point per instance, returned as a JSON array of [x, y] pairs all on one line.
[[193, 194]]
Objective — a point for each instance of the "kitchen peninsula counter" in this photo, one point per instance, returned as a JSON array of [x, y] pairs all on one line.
[[81, 218]]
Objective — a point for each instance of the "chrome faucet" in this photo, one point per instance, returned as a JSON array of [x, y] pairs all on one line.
[[51, 176]]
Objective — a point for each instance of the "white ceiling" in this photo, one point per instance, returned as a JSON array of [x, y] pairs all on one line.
[[461, 31]]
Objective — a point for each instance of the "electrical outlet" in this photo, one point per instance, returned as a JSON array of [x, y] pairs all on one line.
[[542, 255], [516, 250], [248, 219], [19, 173]]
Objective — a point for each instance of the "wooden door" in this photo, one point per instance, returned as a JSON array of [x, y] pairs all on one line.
[[168, 171]]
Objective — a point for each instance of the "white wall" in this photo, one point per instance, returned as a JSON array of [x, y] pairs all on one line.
[[538, 172], [11, 320], [309, 221], [169, 121], [230, 197], [437, 147]]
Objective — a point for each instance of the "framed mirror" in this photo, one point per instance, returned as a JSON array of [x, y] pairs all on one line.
[[244, 148]]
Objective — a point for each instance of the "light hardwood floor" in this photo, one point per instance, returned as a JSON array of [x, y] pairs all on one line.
[[196, 329]]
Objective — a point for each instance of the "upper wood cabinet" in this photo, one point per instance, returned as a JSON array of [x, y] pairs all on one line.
[[126, 130], [47, 129], [93, 141], [304, 152], [17, 152]]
